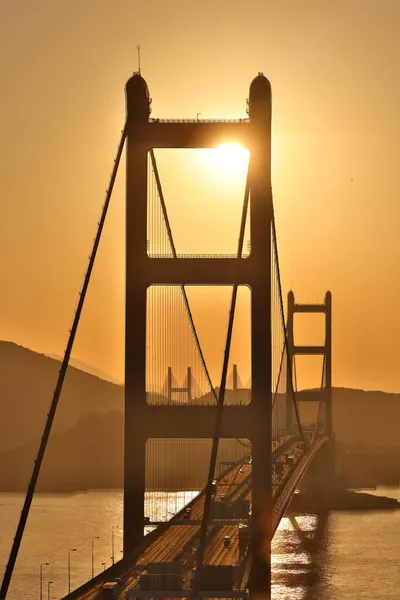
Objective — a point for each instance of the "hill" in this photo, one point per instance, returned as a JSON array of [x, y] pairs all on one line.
[[90, 456], [362, 418], [87, 456], [27, 382]]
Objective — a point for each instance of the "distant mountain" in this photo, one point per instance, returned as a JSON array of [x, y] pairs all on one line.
[[90, 456], [361, 417], [87, 456], [82, 366], [27, 382]]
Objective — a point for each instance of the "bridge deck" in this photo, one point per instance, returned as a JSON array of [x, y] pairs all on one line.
[[177, 542]]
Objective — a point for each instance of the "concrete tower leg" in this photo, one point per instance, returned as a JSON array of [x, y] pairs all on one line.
[[189, 385], [261, 332], [289, 371], [328, 388], [235, 378], [137, 103]]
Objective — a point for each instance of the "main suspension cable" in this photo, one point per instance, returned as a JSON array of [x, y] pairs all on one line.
[[61, 376]]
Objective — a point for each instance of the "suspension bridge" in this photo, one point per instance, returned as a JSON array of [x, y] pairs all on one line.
[[253, 439]]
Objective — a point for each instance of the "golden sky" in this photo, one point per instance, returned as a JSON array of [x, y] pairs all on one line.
[[334, 71]]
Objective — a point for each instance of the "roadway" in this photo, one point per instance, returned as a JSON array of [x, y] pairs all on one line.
[[178, 540]]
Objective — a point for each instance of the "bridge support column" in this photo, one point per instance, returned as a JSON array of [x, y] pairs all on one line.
[[261, 340], [328, 364], [235, 378], [260, 575], [328, 388], [289, 371], [135, 340]]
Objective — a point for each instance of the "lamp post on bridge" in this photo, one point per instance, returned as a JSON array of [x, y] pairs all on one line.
[[112, 545], [69, 568], [95, 537], [48, 590], [103, 564], [41, 578]]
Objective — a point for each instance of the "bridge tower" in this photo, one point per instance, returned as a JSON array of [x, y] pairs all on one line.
[[187, 390], [235, 378], [325, 350], [143, 421]]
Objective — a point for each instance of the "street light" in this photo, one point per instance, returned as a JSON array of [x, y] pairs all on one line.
[[104, 565], [113, 543], [95, 537], [48, 590], [41, 578], [69, 568]]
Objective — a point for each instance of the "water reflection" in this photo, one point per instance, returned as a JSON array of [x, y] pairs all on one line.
[[59, 522], [314, 557], [56, 523], [299, 557]]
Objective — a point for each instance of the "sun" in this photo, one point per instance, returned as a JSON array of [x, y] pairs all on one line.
[[231, 157], [225, 168]]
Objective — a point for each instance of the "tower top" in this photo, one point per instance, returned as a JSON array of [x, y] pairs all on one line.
[[137, 85], [260, 83], [138, 99], [259, 97]]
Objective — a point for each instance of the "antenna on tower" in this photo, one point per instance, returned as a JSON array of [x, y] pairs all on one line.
[[138, 54]]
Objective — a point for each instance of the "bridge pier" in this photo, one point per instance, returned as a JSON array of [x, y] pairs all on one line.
[[260, 575]]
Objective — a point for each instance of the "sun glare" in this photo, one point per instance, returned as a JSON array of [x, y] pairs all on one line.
[[227, 166], [231, 157], [228, 163]]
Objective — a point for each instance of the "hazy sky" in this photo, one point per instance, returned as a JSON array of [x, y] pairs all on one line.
[[334, 69]]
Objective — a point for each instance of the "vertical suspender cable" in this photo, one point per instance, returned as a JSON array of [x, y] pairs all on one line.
[[294, 374], [61, 376], [174, 254], [220, 406], [316, 429], [296, 408]]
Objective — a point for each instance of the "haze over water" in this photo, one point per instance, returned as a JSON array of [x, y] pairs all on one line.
[[342, 556]]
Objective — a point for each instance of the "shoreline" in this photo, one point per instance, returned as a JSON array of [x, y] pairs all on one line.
[[340, 499]]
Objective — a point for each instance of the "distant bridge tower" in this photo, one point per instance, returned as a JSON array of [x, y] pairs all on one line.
[[253, 421], [180, 390], [325, 350], [235, 378]]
